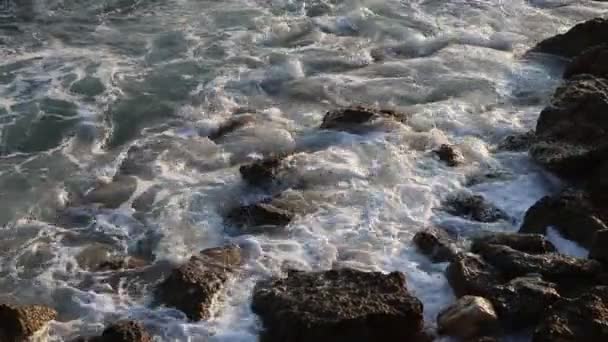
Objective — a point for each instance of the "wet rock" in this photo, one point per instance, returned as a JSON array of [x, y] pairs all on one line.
[[469, 274], [599, 248], [123, 331], [578, 39], [522, 302], [349, 119], [552, 266], [192, 286], [93, 255], [145, 201], [529, 243], [230, 126], [113, 194], [117, 263], [450, 155], [581, 319], [436, 244], [517, 142], [469, 317], [591, 61], [570, 212], [88, 86], [140, 158], [572, 132], [22, 323], [261, 172], [261, 215], [318, 9], [338, 306], [473, 207]]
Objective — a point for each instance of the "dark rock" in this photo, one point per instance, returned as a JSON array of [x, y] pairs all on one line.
[[192, 286], [260, 215], [113, 194], [449, 155], [581, 319], [125, 331], [145, 201], [473, 207], [231, 126], [529, 243], [599, 248], [469, 274], [436, 244], [120, 263], [572, 132], [21, 323], [338, 306], [570, 212], [351, 118], [517, 142], [591, 61], [469, 317], [578, 39], [261, 172], [552, 266]]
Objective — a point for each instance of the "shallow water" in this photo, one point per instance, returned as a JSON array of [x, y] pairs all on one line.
[[82, 80]]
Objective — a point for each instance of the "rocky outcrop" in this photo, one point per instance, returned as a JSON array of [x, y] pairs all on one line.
[[473, 207], [339, 306], [192, 287], [591, 61], [261, 173], [351, 119], [21, 323], [436, 244], [262, 216], [122, 331], [529, 243], [578, 39], [572, 131], [449, 154], [469, 274], [581, 319], [571, 212], [113, 194], [469, 317]]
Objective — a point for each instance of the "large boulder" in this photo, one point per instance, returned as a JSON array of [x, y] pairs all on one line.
[[436, 244], [529, 243], [581, 319], [572, 132], [468, 317], [192, 287], [473, 207], [353, 118], [469, 274], [571, 212], [338, 306], [591, 61], [22, 323], [578, 39]]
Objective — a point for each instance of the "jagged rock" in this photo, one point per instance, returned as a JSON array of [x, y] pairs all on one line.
[[260, 216], [529, 243], [572, 132], [469, 317], [339, 306], [261, 172], [192, 286], [349, 119], [230, 126], [581, 319], [578, 39], [517, 142], [21, 323], [113, 194], [473, 207], [436, 244], [599, 248], [469, 274], [591, 61], [552, 266], [449, 155], [570, 212]]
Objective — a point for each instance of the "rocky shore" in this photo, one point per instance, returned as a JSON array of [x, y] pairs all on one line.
[[505, 283]]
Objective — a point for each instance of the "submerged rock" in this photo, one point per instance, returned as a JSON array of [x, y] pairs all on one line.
[[351, 118], [469, 317], [436, 244], [192, 286], [591, 61], [473, 207], [578, 39], [469, 274], [570, 212], [113, 194], [25, 322], [339, 306], [517, 142], [450, 155], [261, 172], [529, 243], [581, 319], [261, 215], [230, 126]]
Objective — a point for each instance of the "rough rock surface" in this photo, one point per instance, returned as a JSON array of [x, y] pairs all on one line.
[[21, 323], [529, 243], [517, 142], [578, 39], [436, 244], [572, 132], [581, 319], [113, 194], [469, 317], [260, 215], [123, 331], [591, 61], [261, 172], [192, 286], [571, 212], [339, 306], [469, 274], [349, 119], [473, 207], [450, 155]]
